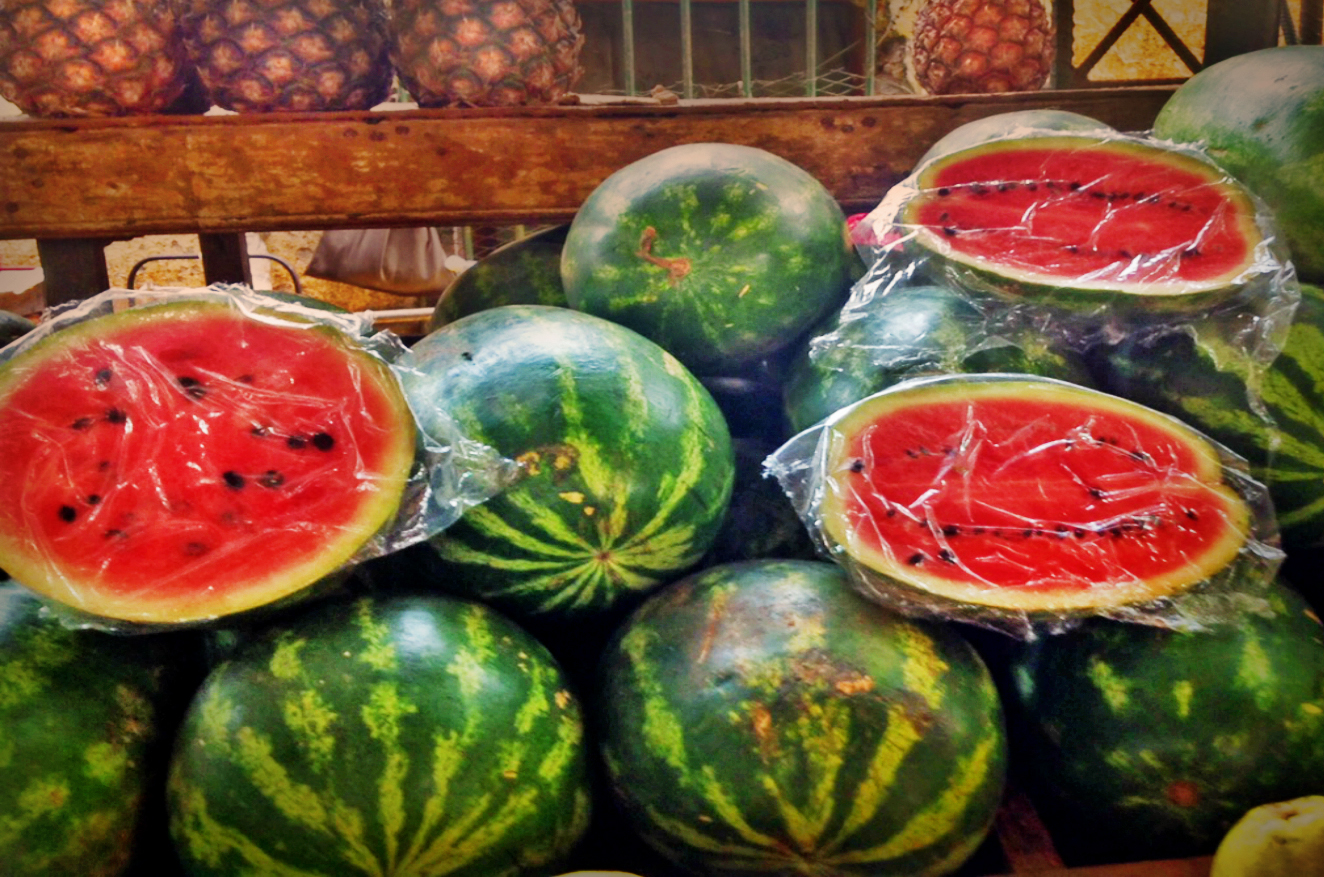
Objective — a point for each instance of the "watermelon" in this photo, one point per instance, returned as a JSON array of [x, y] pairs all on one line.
[[763, 718], [721, 253], [1260, 116], [1273, 416], [626, 462], [88, 719], [1087, 223], [524, 271], [408, 735], [1015, 123], [1138, 742], [13, 326], [1023, 502], [905, 332], [186, 460]]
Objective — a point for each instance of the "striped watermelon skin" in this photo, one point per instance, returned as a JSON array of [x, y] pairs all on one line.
[[413, 735], [627, 461], [1142, 743], [87, 719], [761, 717], [1207, 386]]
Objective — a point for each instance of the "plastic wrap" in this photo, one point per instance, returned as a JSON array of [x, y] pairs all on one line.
[[1025, 504], [1124, 247], [268, 412]]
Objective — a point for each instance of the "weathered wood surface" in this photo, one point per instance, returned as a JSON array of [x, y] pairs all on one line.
[[119, 178]]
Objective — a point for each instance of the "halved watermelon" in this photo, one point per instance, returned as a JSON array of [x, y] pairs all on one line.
[[1086, 220], [1005, 497], [186, 460]]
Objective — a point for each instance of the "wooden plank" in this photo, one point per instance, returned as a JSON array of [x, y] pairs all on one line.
[[225, 258], [72, 269], [206, 174]]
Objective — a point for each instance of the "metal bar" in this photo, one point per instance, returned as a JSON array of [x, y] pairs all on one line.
[[811, 48], [686, 49], [627, 46], [746, 50], [1064, 20], [1173, 40], [870, 46]]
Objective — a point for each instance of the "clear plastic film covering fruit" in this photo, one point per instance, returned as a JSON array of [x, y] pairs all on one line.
[[1093, 242], [177, 456], [1026, 504]]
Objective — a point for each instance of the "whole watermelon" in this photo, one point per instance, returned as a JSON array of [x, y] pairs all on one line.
[[724, 254], [1010, 124], [524, 271], [88, 717], [762, 717], [419, 735], [1260, 115], [626, 462], [1283, 441], [1140, 742], [910, 331]]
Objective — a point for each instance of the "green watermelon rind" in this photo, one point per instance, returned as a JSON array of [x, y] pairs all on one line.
[[414, 734], [525, 271], [760, 717], [1260, 274], [1210, 589], [87, 600]]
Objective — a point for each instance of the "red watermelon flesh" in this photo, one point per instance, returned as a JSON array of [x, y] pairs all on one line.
[[186, 461], [1088, 213], [1028, 494]]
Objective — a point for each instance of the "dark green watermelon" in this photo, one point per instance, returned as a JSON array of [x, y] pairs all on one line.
[[721, 253], [13, 326], [1141, 742], [626, 464], [88, 721], [524, 271], [764, 718], [907, 332], [1273, 416], [409, 735]]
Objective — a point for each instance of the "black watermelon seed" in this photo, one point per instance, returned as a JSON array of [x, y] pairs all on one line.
[[115, 415], [245, 379], [94, 499], [1075, 187], [944, 191], [233, 480], [951, 530], [195, 549], [193, 387], [103, 465], [296, 441], [68, 514], [1193, 514], [82, 423], [260, 431], [102, 377], [916, 559], [949, 231], [857, 466], [947, 556], [323, 441], [113, 533], [271, 478]]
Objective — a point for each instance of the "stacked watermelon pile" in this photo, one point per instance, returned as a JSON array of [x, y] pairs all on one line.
[[712, 533]]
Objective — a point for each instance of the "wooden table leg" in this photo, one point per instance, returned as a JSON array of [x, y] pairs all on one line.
[[225, 258], [73, 269]]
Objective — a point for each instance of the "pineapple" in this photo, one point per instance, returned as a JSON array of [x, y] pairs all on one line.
[[486, 52], [981, 46], [258, 56], [91, 57]]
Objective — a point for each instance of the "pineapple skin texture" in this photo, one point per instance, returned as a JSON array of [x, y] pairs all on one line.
[[91, 58], [981, 46], [263, 56], [486, 52]]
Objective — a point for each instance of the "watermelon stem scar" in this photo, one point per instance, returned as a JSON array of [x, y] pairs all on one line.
[[677, 269]]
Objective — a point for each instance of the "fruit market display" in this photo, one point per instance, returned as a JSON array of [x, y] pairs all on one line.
[[810, 582], [257, 56]]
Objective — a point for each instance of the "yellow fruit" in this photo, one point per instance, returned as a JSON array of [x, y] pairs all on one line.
[[1285, 839]]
